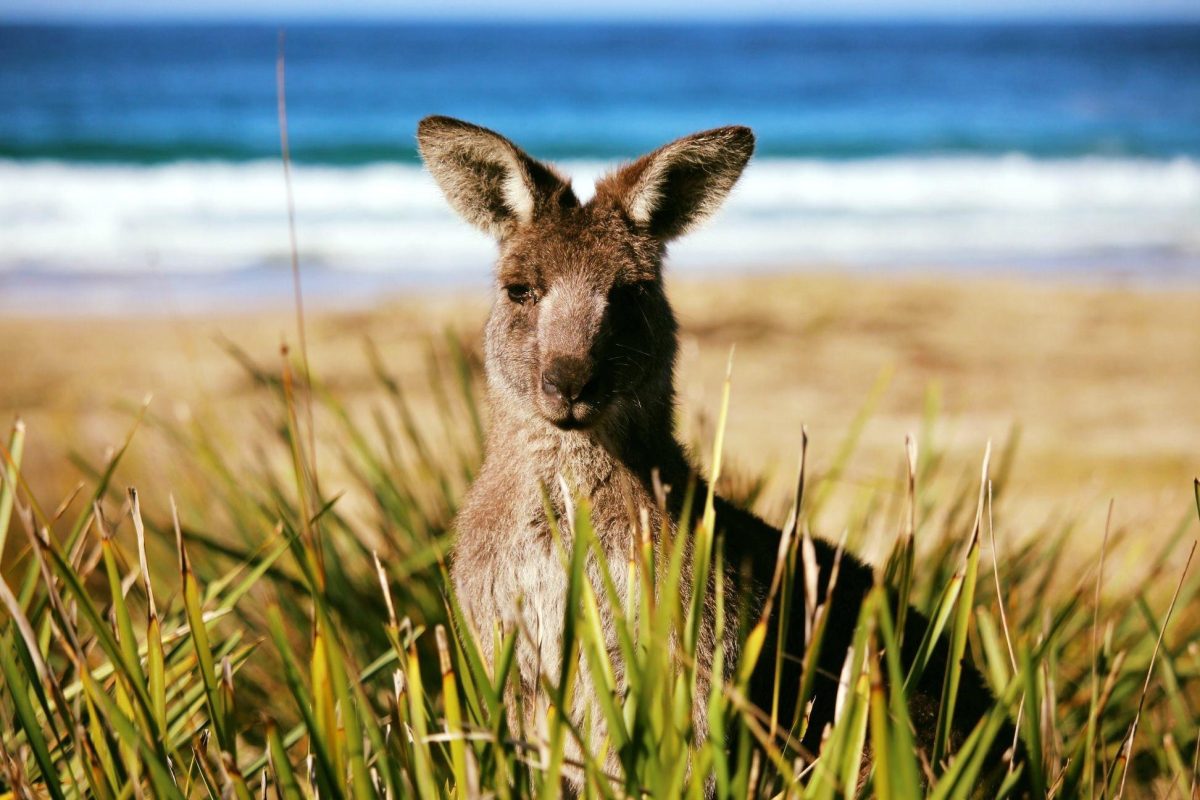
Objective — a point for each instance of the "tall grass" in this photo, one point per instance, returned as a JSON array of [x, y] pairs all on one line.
[[287, 627]]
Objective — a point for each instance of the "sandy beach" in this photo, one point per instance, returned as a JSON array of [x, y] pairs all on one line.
[[1101, 381]]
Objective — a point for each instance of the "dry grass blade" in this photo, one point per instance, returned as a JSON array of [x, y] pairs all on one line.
[[386, 590], [293, 248], [958, 634], [135, 510], [785, 567], [1150, 673], [9, 469], [1004, 626]]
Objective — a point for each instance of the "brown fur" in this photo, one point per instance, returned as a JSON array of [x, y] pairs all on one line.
[[580, 353]]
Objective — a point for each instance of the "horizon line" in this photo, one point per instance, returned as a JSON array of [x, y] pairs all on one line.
[[203, 16]]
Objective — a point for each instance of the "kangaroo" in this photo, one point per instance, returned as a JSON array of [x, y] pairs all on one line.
[[580, 352]]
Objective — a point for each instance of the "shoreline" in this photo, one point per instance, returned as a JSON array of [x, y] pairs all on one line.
[[269, 289]]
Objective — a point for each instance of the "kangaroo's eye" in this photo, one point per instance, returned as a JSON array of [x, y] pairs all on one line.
[[520, 294]]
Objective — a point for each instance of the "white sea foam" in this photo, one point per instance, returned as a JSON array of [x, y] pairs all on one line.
[[212, 217]]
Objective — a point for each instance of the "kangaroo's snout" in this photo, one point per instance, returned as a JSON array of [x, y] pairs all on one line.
[[570, 394], [571, 341], [566, 378]]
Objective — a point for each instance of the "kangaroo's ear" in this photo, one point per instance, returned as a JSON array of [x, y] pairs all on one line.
[[488, 180], [677, 186]]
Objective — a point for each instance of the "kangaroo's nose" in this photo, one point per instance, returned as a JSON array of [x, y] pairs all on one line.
[[566, 378]]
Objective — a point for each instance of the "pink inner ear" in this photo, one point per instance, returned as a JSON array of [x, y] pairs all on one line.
[[669, 191], [616, 187], [518, 194]]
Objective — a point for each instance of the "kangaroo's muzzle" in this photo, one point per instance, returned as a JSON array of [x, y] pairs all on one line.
[[571, 395]]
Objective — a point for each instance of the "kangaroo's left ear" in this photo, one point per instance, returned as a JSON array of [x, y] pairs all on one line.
[[671, 190]]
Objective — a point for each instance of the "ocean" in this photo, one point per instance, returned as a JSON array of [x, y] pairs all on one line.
[[150, 149]]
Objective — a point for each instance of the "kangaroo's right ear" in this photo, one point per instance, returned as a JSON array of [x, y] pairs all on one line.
[[673, 189], [489, 181]]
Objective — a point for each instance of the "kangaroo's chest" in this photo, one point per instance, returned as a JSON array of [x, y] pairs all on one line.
[[530, 595], [511, 570]]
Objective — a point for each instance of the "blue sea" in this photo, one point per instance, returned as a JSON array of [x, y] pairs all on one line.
[[128, 150]]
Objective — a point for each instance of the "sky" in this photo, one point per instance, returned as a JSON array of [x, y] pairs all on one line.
[[604, 9]]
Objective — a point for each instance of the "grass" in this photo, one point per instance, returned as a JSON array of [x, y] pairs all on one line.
[[281, 623]]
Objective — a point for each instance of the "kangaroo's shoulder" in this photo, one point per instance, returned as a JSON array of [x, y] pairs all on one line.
[[752, 542]]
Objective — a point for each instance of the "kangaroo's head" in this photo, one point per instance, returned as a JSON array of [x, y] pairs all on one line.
[[581, 331]]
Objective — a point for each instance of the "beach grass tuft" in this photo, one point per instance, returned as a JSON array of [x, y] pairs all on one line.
[[283, 626]]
